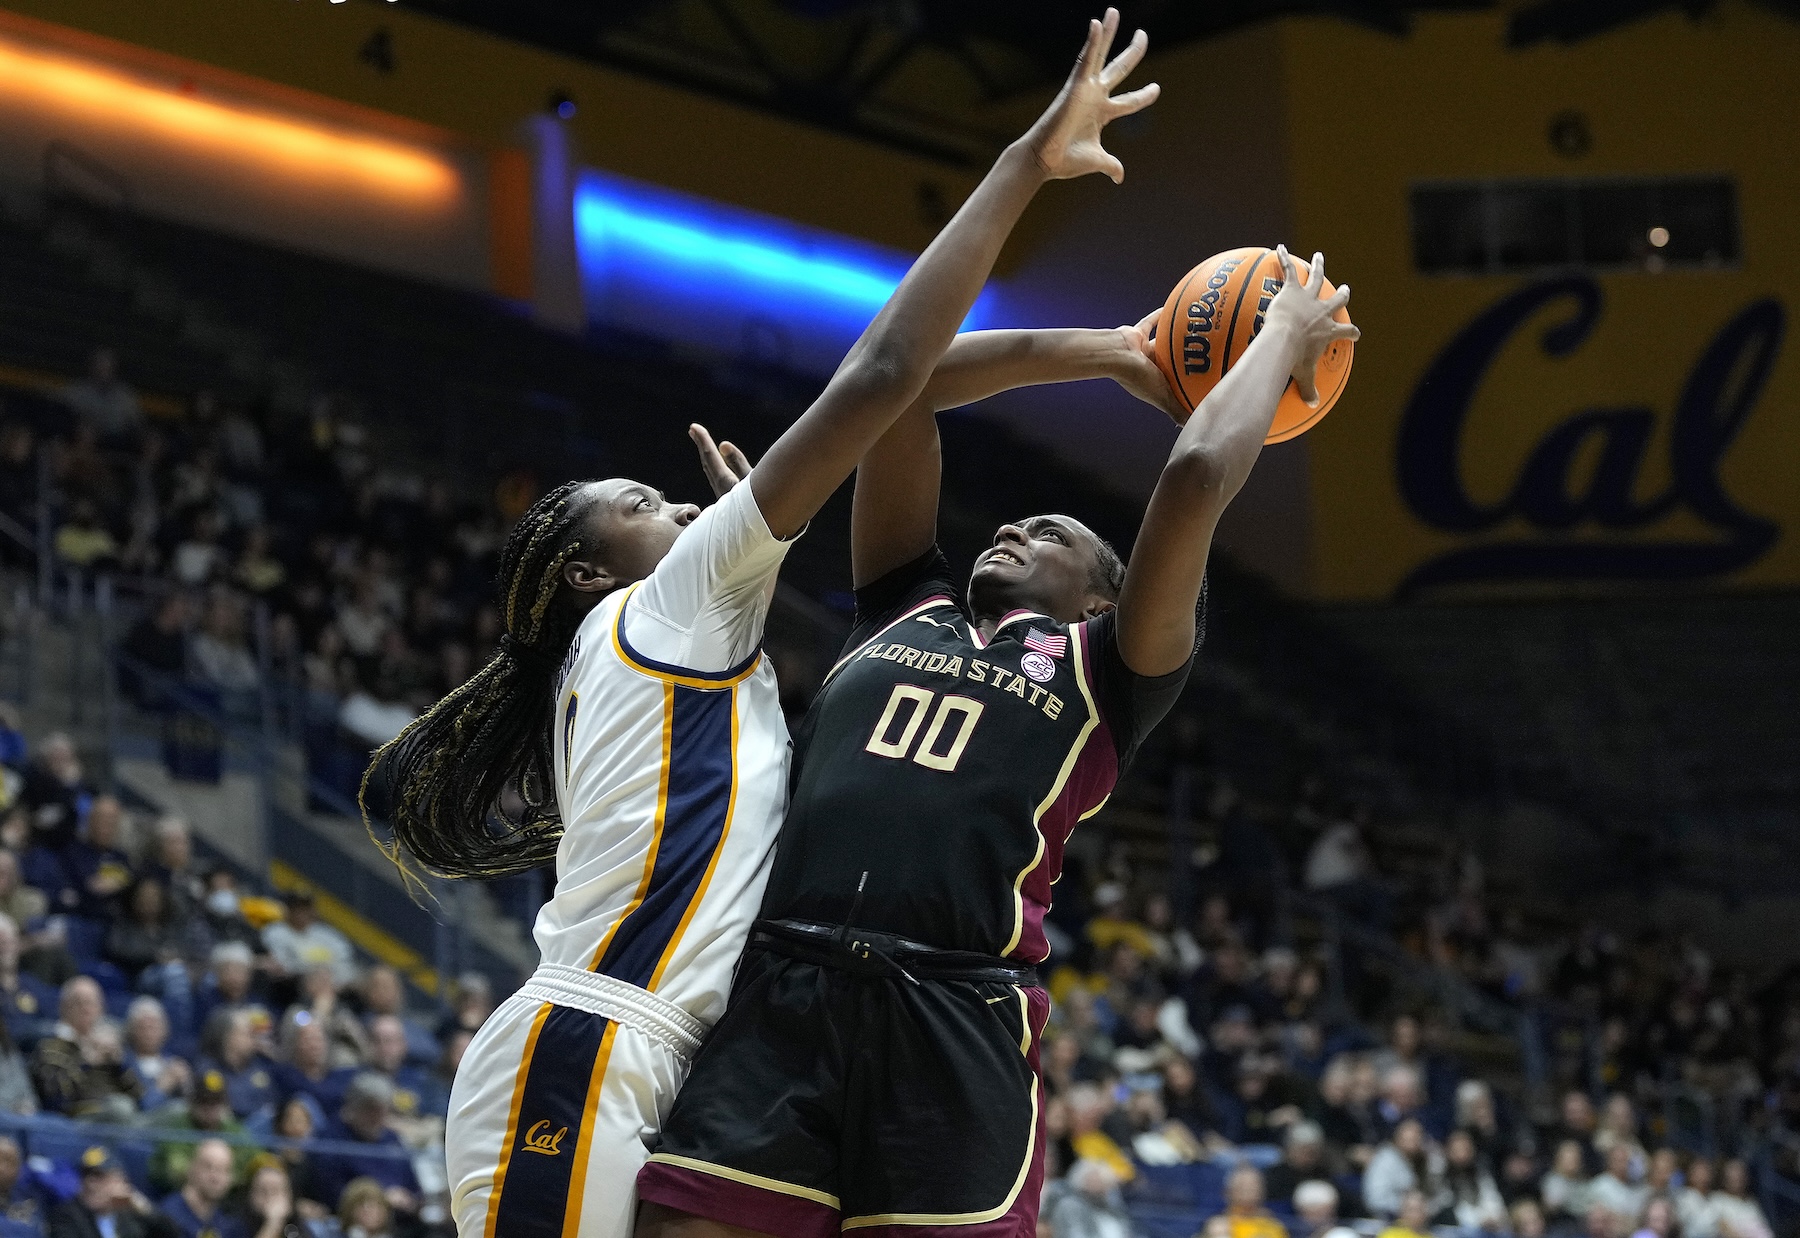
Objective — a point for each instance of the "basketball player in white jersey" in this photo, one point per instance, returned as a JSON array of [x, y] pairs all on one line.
[[630, 712]]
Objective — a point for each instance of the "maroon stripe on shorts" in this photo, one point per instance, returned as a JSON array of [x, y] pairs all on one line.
[[730, 1202]]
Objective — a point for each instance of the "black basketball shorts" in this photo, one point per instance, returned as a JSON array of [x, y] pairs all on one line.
[[826, 1100]]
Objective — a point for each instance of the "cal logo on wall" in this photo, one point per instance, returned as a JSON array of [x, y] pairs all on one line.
[[1566, 422]]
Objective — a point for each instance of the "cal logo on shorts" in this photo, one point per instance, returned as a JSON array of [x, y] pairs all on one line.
[[542, 1140]]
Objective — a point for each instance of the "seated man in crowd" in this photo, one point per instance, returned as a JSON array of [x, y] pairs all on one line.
[[384, 994], [23, 1201], [27, 1004], [208, 1110], [1316, 1204], [303, 941], [196, 1210], [1245, 1216], [229, 1047], [107, 1206], [363, 1119], [80, 1069]]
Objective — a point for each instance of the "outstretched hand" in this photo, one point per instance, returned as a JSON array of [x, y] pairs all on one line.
[[1065, 141], [1308, 319], [1141, 376], [725, 466]]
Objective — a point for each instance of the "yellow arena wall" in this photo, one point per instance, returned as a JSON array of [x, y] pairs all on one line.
[[1553, 483]]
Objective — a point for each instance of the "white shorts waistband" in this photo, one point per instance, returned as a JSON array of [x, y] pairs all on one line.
[[625, 1004]]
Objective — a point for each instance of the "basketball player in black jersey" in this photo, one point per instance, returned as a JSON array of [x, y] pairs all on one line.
[[877, 1067]]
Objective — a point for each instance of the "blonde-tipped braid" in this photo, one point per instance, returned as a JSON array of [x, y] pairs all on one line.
[[443, 776]]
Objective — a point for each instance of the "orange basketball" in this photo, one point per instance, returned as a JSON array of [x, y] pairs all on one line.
[[1214, 313]]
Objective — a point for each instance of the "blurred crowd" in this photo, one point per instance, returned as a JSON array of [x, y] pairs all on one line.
[[281, 565], [1213, 1063], [144, 989], [1214, 1059]]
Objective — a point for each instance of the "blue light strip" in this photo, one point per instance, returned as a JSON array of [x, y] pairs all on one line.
[[673, 240]]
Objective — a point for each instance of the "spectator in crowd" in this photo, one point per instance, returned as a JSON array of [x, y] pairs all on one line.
[[1090, 1205], [96, 862], [1565, 1188], [1658, 1220], [208, 1111], [24, 1204], [434, 1094], [17, 1094], [24, 905], [56, 794], [228, 1047], [225, 922], [307, 1069], [1089, 1107], [1245, 1215], [161, 1078], [1316, 1204], [298, 1120], [1476, 1114], [1302, 1160], [229, 987], [1406, 1162], [107, 1206], [103, 402], [79, 1069], [1695, 1211], [363, 1119], [156, 653], [171, 862], [388, 1058], [1578, 1123], [1475, 1201], [383, 994], [302, 941], [366, 1210], [149, 942], [269, 1208], [1740, 1216], [197, 1209], [1528, 1219], [27, 1004], [82, 541], [1617, 1190], [471, 1002], [1412, 1219]]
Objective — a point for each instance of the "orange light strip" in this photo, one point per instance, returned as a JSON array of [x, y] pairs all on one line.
[[271, 143]]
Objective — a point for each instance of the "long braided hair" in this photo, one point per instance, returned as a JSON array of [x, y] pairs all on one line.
[[444, 775]]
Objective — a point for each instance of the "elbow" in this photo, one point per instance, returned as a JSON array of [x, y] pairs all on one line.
[[1197, 469], [887, 370]]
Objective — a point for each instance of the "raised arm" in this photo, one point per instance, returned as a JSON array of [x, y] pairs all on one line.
[[1210, 460], [894, 517], [887, 368]]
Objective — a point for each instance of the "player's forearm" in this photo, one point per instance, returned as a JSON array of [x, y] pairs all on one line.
[[979, 364], [1220, 443], [909, 336]]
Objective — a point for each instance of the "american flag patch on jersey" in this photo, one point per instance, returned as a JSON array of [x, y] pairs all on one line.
[[1055, 646]]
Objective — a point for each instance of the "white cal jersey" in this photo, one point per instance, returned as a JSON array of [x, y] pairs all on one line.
[[671, 761]]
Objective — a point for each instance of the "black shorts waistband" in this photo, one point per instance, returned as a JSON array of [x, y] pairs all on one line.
[[865, 952]]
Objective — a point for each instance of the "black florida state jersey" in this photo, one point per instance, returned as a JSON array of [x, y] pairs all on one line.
[[952, 769]]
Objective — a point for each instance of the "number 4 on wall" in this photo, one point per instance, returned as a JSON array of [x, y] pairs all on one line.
[[917, 703]]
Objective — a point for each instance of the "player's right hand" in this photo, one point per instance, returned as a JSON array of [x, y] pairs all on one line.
[[1139, 374], [1065, 141], [1306, 318], [725, 466]]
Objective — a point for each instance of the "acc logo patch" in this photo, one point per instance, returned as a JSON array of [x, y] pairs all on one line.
[[1038, 667]]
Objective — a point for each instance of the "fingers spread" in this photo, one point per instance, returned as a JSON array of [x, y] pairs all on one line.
[[1135, 100], [1125, 61], [1346, 331], [1147, 324], [1109, 26], [1288, 274], [1308, 390], [1314, 284], [1339, 299]]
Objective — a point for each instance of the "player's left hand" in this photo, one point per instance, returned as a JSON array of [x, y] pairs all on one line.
[[1065, 141], [1139, 374], [725, 466]]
